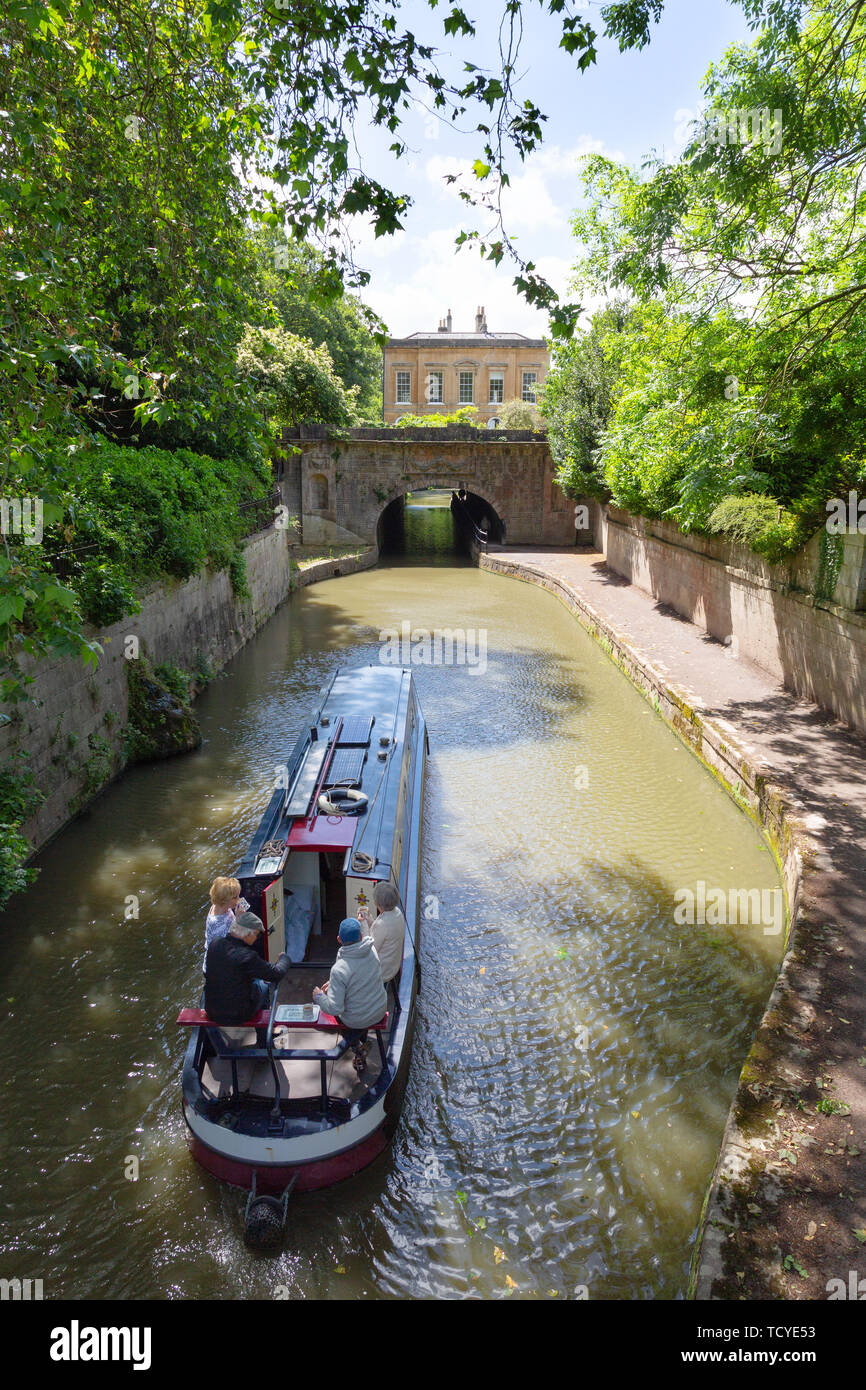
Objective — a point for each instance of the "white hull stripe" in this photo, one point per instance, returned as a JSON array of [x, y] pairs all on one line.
[[303, 1148]]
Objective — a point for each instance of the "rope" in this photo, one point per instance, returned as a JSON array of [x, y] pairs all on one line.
[[364, 863]]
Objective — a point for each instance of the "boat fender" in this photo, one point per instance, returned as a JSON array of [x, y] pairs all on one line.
[[342, 801], [264, 1223]]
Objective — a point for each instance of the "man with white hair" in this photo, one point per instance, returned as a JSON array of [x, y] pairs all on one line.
[[388, 931]]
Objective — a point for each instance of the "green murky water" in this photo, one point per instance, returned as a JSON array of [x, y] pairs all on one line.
[[577, 1047]]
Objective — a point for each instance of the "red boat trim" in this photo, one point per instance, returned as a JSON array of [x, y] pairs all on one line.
[[274, 1178], [323, 833]]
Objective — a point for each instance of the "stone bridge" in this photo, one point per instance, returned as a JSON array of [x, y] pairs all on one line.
[[340, 486]]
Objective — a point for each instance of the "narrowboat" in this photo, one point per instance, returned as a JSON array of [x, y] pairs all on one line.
[[283, 1107]]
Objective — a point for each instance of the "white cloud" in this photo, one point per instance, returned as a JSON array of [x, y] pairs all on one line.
[[417, 275], [426, 275], [542, 192]]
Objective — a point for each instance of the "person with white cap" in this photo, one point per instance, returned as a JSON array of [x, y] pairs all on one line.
[[355, 993]]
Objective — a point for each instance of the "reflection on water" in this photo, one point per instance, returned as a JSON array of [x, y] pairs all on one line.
[[576, 1050], [421, 530]]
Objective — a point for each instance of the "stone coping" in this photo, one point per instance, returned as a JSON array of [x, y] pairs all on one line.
[[412, 434], [750, 1212], [333, 567]]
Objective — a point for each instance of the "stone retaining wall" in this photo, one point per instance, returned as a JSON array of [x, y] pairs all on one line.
[[73, 734], [333, 569], [814, 647]]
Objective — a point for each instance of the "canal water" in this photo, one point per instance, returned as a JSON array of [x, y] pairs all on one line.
[[577, 1047]]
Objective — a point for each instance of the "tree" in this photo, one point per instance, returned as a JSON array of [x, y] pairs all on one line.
[[313, 305], [519, 415], [747, 258], [577, 398], [139, 140], [295, 381]]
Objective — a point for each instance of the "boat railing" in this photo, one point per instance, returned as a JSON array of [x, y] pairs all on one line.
[[321, 1055], [467, 521], [301, 1054]]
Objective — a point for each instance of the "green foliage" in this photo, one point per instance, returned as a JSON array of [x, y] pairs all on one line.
[[519, 415], [309, 301], [98, 765], [149, 513], [203, 671], [293, 380], [743, 391], [238, 575], [18, 800], [125, 262], [758, 521], [38, 616], [161, 722], [175, 679], [577, 396], [828, 1106], [465, 415], [142, 146], [104, 591], [831, 551]]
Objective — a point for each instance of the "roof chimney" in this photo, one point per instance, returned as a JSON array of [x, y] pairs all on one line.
[[441, 328], [480, 320], [448, 322]]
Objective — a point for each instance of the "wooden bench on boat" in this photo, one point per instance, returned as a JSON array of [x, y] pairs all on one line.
[[197, 1018]]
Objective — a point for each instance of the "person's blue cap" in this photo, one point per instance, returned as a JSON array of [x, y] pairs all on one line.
[[350, 930]]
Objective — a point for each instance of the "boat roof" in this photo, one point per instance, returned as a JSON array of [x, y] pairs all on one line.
[[373, 703]]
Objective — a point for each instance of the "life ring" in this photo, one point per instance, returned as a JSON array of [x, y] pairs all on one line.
[[342, 801]]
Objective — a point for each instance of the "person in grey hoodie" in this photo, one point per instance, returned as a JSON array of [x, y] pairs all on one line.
[[354, 994]]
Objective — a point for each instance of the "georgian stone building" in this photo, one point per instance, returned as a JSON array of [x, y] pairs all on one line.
[[429, 373]]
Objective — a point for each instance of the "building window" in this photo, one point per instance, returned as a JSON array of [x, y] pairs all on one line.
[[530, 382], [433, 387], [404, 388], [497, 388], [467, 388]]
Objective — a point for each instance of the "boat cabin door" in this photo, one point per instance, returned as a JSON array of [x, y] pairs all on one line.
[[359, 893], [274, 919]]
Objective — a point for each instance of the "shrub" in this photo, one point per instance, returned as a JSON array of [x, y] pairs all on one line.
[[466, 415], [147, 513], [238, 575], [18, 800], [175, 679], [761, 523], [519, 415]]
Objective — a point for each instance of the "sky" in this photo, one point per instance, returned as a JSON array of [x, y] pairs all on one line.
[[626, 106]]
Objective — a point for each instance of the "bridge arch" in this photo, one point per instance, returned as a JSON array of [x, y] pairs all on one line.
[[479, 509], [509, 477]]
